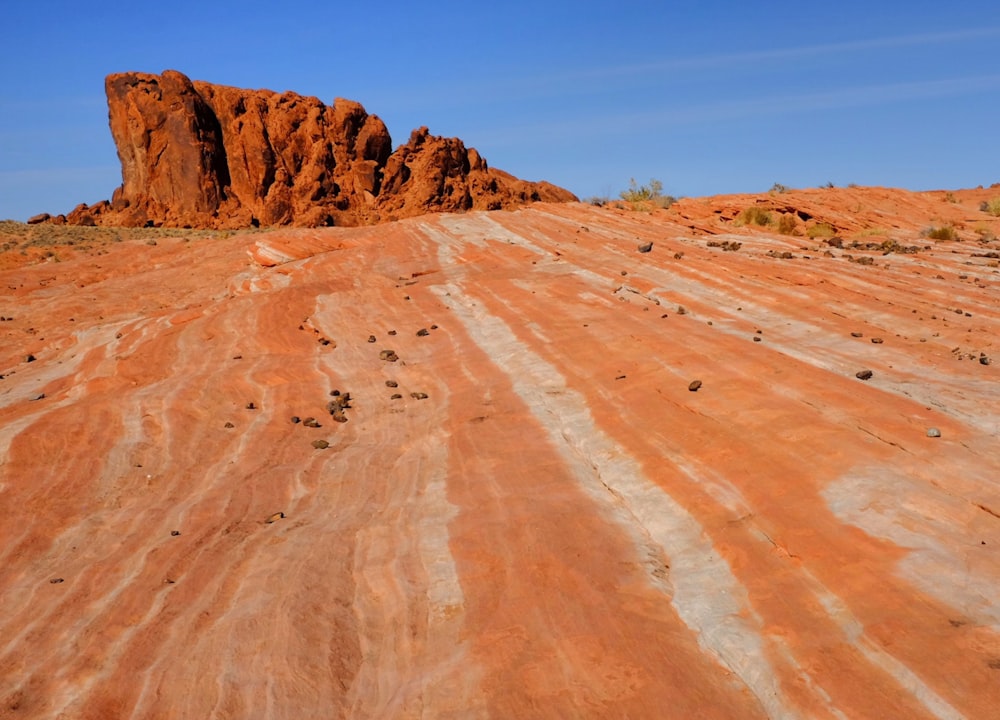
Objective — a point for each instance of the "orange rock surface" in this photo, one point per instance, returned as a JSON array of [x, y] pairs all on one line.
[[560, 528]]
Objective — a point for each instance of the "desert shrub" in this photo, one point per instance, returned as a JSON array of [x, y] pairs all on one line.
[[992, 207], [821, 230], [779, 188], [786, 224], [754, 216], [642, 196], [641, 193], [945, 232]]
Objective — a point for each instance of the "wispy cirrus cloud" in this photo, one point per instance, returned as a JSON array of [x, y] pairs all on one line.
[[726, 111]]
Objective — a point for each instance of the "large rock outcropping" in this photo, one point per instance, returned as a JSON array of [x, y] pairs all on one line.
[[202, 155]]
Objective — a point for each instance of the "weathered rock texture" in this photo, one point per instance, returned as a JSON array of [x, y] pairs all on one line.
[[200, 155], [560, 529]]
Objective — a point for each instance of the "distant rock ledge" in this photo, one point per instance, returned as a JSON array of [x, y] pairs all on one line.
[[199, 155]]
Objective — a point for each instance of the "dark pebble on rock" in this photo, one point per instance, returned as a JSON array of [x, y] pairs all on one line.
[[229, 425], [39, 396], [251, 406], [645, 247], [857, 334], [175, 533], [756, 338], [371, 338], [29, 358], [395, 396], [423, 332], [864, 375], [392, 332], [983, 360], [274, 517], [933, 432], [877, 341], [296, 419], [320, 444], [418, 395], [391, 383], [56, 581], [388, 355], [694, 385]]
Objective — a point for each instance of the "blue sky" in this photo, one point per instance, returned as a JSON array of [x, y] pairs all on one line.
[[708, 97]]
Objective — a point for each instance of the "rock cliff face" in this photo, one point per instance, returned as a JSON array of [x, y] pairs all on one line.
[[202, 155]]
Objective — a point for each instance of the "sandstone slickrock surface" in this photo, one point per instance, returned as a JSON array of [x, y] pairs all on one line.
[[559, 529], [195, 154]]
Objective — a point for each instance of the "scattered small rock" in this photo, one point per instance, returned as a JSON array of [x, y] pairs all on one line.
[[984, 360], [645, 247], [371, 338], [275, 516], [857, 334], [251, 406], [388, 355], [620, 377], [694, 385], [681, 310], [29, 358], [56, 581], [395, 396], [237, 357], [423, 332], [310, 422], [933, 432], [338, 416], [228, 425], [418, 395], [678, 255], [864, 375], [335, 393], [320, 444], [175, 533], [392, 332], [391, 383], [877, 340], [756, 338], [39, 396], [296, 419]]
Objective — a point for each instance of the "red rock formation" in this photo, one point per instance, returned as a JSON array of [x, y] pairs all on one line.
[[202, 155]]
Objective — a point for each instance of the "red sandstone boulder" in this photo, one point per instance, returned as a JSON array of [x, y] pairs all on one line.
[[202, 155]]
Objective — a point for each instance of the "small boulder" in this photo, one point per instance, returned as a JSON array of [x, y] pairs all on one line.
[[645, 247], [694, 385], [864, 375], [320, 444], [933, 433]]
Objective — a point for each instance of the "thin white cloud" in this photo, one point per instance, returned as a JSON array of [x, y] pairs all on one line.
[[729, 110], [741, 59]]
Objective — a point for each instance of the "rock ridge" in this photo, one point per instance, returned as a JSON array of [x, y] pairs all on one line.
[[196, 154]]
